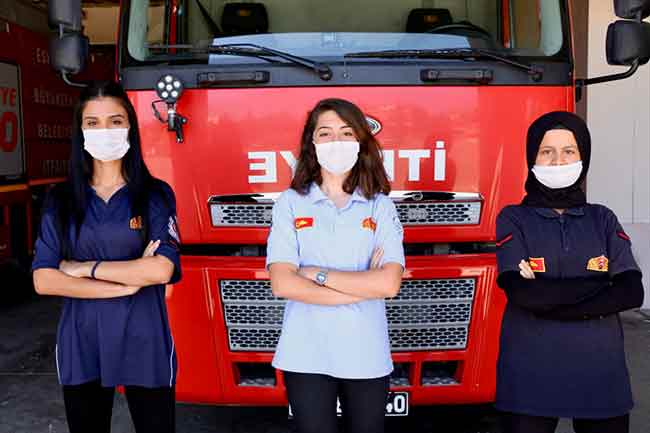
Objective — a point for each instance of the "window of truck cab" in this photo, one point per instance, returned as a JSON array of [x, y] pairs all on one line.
[[326, 31]]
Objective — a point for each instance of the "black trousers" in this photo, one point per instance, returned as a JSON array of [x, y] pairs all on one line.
[[313, 402], [89, 407], [518, 423]]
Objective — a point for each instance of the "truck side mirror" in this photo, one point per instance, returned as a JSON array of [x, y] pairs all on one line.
[[68, 47], [69, 52], [630, 9], [65, 13], [627, 42]]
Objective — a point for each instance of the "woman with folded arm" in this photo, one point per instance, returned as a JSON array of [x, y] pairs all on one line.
[[108, 244], [335, 252], [567, 269]]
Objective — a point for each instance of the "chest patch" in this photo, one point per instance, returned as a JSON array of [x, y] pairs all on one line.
[[303, 223], [537, 264], [369, 224], [598, 264], [135, 223]]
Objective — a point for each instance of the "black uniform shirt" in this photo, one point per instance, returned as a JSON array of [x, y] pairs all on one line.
[[125, 340], [562, 368]]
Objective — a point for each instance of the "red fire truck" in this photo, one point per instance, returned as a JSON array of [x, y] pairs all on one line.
[[35, 117], [222, 90]]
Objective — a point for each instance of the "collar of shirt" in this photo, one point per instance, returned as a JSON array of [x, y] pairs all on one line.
[[316, 194], [92, 194], [551, 213], [90, 188]]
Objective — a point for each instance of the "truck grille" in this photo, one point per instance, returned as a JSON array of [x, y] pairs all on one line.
[[439, 213], [256, 210], [241, 215], [426, 315]]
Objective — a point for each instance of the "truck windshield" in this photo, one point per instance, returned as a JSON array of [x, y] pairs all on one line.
[[165, 31]]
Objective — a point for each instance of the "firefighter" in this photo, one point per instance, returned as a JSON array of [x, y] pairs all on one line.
[[567, 269], [108, 244], [335, 252]]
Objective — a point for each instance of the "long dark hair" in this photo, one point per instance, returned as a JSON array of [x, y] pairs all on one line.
[[71, 197], [368, 173]]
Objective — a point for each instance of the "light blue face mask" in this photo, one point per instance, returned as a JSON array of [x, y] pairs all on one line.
[[558, 176]]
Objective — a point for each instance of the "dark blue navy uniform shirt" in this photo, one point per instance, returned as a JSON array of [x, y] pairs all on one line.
[[125, 340], [553, 368]]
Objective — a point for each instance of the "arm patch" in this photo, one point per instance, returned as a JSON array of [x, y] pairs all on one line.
[[621, 234], [505, 240]]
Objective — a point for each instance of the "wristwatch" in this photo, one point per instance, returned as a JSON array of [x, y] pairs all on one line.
[[321, 277]]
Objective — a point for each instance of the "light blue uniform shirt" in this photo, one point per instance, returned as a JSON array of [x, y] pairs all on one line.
[[344, 341]]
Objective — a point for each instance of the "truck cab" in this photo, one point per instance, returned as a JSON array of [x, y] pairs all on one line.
[[449, 88]]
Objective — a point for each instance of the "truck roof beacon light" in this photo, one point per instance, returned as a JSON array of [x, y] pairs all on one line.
[[169, 90]]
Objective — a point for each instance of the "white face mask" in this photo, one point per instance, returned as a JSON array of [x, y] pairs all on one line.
[[558, 176], [337, 157], [106, 144]]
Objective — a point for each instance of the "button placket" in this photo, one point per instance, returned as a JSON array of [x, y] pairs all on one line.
[[335, 217], [563, 231]]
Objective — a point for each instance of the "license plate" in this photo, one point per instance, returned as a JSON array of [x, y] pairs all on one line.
[[397, 404]]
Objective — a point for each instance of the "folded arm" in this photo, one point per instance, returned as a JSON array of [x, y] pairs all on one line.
[[147, 270], [544, 295], [375, 283], [287, 282], [624, 292], [54, 282]]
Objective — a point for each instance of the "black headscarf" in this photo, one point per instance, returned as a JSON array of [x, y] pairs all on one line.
[[539, 195]]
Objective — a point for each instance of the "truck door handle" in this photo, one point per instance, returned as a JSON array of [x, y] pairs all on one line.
[[210, 79], [479, 76]]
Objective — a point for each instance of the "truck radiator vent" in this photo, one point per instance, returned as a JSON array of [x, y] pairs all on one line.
[[439, 213], [460, 289], [241, 215], [247, 211], [426, 315], [247, 292], [438, 373]]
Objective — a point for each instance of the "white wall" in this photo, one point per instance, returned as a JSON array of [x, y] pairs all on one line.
[[618, 114]]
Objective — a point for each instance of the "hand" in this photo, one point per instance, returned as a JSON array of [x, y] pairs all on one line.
[[152, 246], [130, 290], [309, 272], [525, 270], [377, 256], [76, 269]]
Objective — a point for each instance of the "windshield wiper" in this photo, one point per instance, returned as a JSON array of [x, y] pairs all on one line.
[[323, 70], [448, 53]]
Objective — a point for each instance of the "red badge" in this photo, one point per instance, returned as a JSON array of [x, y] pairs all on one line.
[[598, 264], [369, 224], [537, 264], [135, 223], [303, 223], [623, 235]]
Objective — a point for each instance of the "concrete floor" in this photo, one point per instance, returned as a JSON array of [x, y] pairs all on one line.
[[31, 402]]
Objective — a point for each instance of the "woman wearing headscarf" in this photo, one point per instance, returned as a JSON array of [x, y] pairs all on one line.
[[567, 269]]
